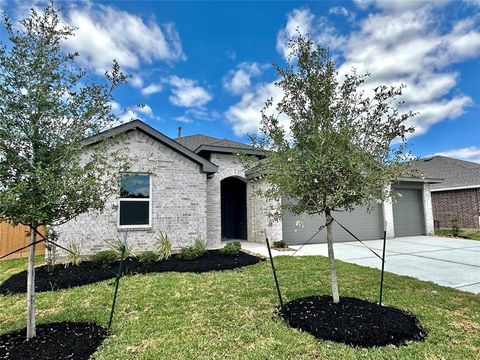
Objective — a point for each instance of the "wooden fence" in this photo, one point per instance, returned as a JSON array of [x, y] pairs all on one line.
[[15, 237]]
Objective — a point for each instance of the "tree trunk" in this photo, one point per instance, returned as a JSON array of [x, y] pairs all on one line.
[[31, 332], [331, 257]]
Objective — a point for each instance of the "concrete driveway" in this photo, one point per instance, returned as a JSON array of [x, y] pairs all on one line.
[[444, 261]]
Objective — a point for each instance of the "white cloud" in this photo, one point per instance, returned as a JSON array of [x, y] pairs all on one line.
[[245, 116], [203, 114], [471, 153], [399, 5], [406, 48], [186, 93], [136, 112], [342, 11], [145, 109], [304, 22], [237, 81], [106, 33], [128, 116], [404, 43], [299, 20], [115, 107], [136, 81], [151, 89], [184, 119]]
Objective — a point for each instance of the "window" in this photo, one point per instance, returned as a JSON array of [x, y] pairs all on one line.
[[134, 207]]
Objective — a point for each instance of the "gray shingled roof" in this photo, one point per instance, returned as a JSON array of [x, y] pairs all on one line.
[[193, 142], [457, 173]]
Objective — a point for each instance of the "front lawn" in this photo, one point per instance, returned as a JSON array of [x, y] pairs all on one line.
[[466, 234], [230, 314]]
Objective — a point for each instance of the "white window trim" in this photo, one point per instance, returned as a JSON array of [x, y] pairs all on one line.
[[120, 199]]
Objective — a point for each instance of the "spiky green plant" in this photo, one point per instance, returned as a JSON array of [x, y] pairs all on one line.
[[121, 248], [200, 244], [74, 254], [164, 247]]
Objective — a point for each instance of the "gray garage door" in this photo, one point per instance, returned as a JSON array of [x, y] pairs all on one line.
[[408, 214], [366, 226]]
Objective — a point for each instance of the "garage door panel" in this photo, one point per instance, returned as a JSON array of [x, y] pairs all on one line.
[[366, 226], [407, 213]]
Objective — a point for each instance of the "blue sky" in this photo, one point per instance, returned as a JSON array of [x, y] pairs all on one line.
[[206, 66]]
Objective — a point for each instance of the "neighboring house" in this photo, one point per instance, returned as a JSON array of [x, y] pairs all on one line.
[[458, 196], [194, 186]]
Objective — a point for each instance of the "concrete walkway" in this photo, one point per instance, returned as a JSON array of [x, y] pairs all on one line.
[[444, 261]]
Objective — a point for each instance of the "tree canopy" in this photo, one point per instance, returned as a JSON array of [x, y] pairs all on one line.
[[330, 145], [341, 147], [48, 106]]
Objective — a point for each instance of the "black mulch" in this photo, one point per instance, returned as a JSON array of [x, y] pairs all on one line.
[[65, 340], [353, 321], [87, 273]]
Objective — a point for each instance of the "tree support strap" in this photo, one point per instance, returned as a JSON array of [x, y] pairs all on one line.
[[22, 248], [52, 242], [43, 238], [319, 229], [356, 238]]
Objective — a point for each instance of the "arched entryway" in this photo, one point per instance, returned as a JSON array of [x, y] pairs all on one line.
[[233, 208]]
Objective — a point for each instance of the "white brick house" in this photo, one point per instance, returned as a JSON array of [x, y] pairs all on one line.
[[193, 186], [174, 190]]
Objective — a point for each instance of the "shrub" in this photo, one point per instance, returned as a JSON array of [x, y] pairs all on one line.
[[74, 254], [148, 257], [280, 244], [121, 248], [194, 251], [200, 244], [104, 258], [164, 246], [190, 253], [455, 228], [232, 248]]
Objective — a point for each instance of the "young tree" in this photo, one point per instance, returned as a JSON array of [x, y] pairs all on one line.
[[340, 149], [47, 108]]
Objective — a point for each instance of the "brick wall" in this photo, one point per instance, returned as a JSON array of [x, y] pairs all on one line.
[[179, 201], [463, 205], [185, 203], [257, 218], [227, 166]]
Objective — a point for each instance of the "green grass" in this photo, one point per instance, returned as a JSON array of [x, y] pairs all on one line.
[[230, 314], [467, 234]]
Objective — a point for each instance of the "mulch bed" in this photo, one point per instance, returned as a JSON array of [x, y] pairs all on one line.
[[86, 273], [65, 340], [353, 321]]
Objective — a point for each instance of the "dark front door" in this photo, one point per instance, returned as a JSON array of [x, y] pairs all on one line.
[[234, 208]]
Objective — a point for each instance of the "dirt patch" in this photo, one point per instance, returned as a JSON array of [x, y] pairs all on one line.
[[66, 340], [87, 273], [353, 321], [466, 325]]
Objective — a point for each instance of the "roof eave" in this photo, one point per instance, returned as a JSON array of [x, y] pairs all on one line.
[[453, 188], [229, 150], [419, 179]]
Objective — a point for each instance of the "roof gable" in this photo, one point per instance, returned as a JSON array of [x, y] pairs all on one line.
[[206, 166]]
